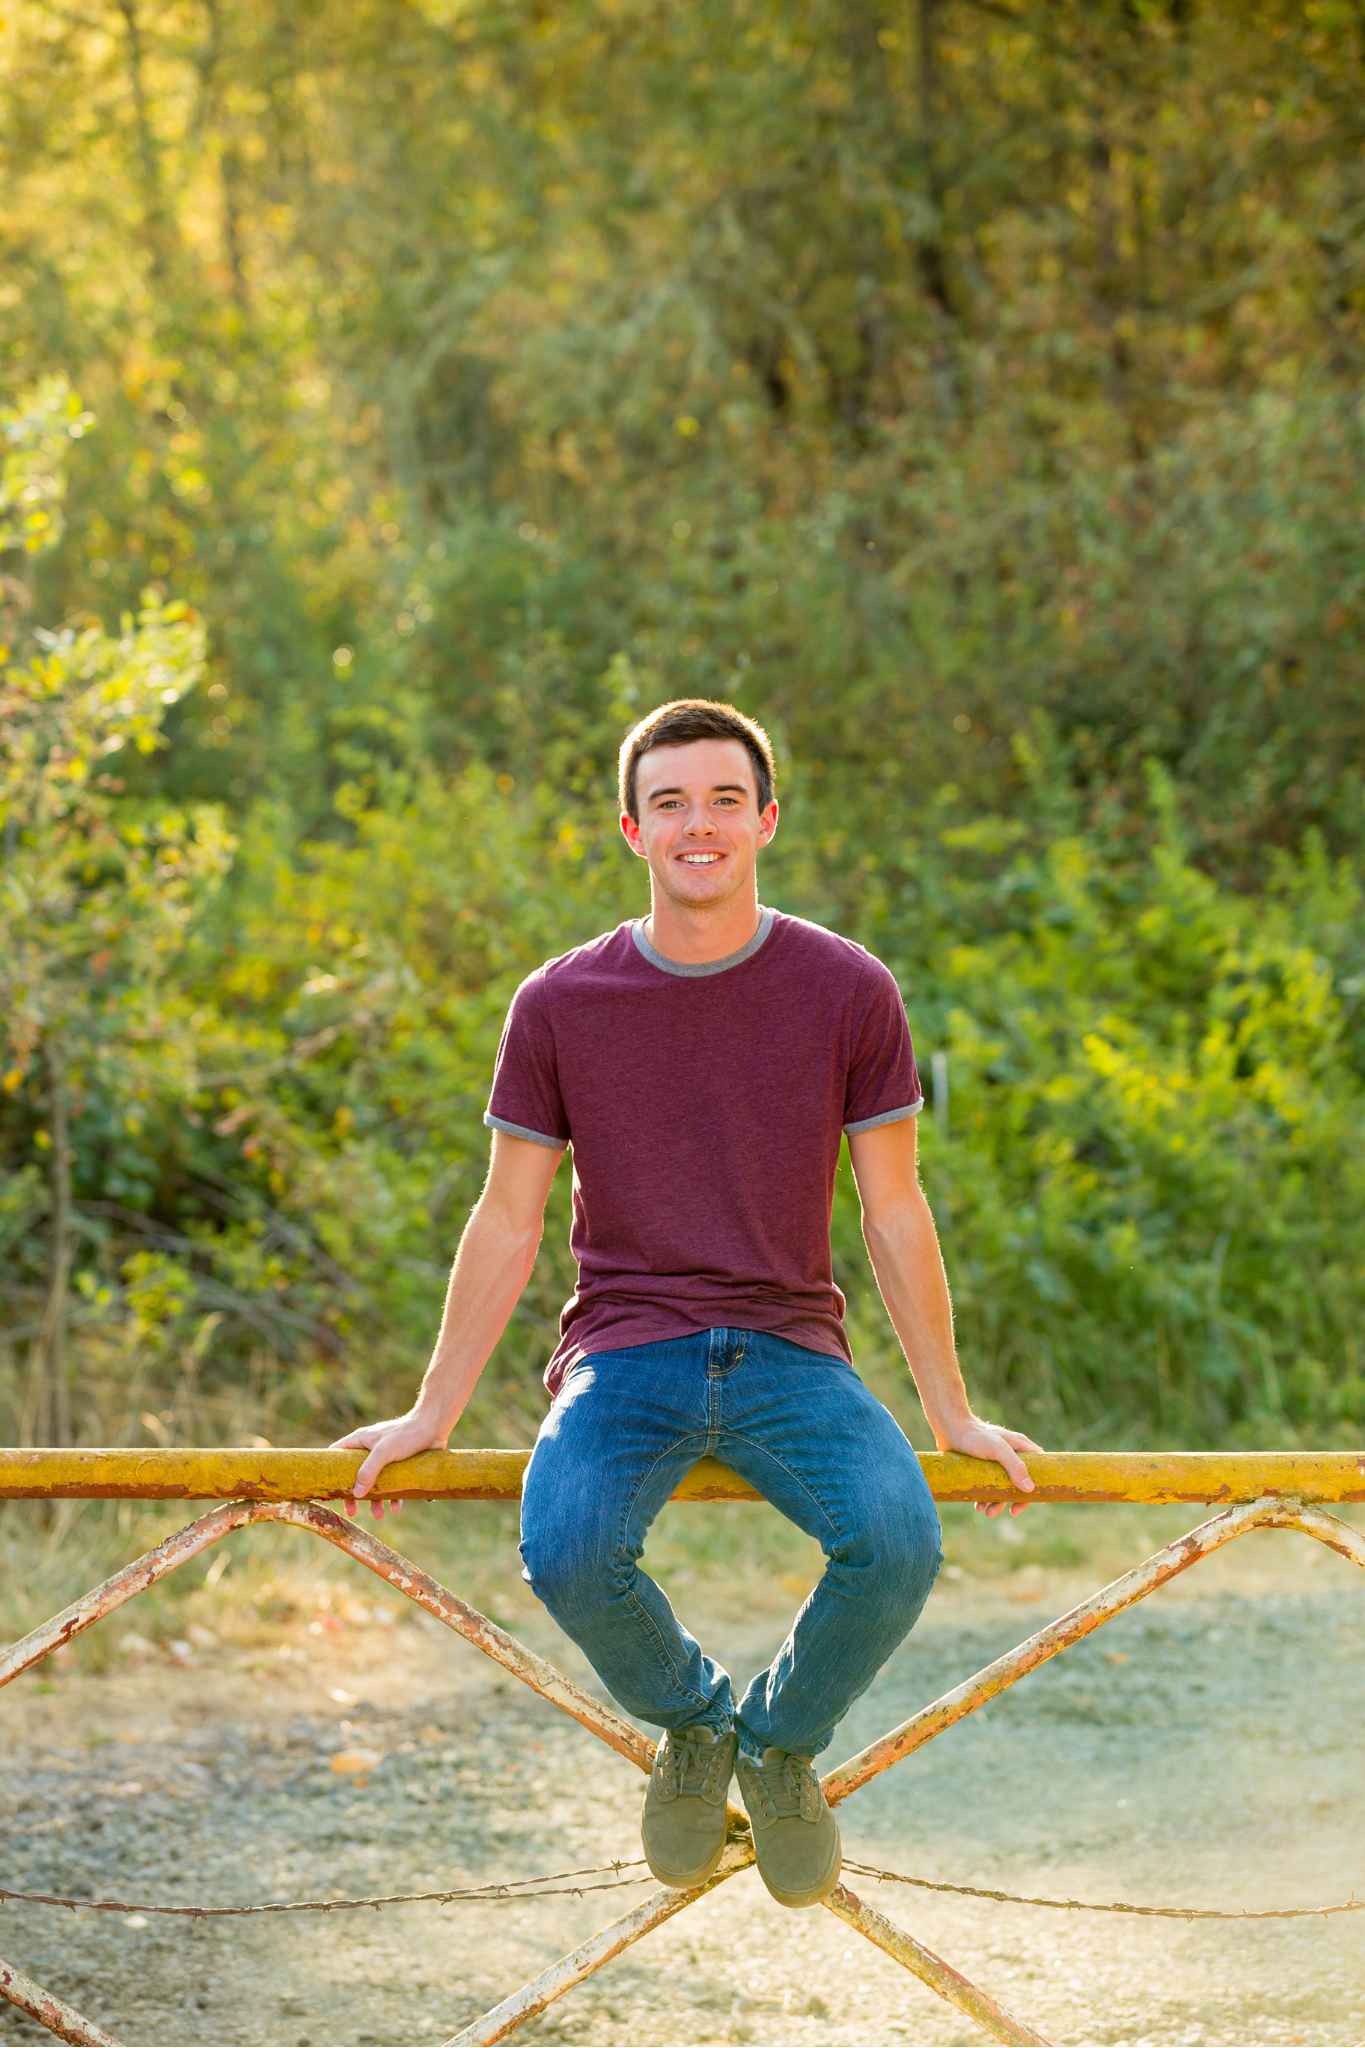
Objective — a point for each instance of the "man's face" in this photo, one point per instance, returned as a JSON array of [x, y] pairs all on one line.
[[701, 798]]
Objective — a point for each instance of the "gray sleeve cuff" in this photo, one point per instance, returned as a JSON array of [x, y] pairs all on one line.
[[888, 1116], [500, 1123]]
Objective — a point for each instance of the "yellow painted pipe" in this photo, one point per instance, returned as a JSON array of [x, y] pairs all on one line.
[[238, 1474]]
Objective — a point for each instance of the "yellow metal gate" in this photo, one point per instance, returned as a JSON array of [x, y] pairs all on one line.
[[1279, 1490]]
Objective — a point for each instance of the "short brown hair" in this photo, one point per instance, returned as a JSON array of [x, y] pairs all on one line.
[[694, 718]]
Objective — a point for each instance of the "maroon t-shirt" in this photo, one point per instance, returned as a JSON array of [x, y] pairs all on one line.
[[704, 1104]]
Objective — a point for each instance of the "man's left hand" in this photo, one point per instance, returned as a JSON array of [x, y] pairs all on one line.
[[978, 1439]]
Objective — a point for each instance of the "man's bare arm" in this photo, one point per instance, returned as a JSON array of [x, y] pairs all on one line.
[[495, 1259], [902, 1244]]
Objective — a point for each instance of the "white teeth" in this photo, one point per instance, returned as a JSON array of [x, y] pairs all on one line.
[[697, 860]]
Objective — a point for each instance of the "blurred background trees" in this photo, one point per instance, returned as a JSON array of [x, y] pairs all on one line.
[[403, 398]]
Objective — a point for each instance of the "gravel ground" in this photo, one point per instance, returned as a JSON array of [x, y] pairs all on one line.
[[1203, 1749]]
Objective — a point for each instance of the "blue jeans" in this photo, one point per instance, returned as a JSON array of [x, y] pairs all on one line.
[[804, 1430]]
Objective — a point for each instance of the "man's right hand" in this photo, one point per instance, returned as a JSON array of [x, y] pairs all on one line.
[[403, 1436]]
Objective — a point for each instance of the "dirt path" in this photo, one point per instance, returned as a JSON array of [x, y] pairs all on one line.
[[1203, 1749]]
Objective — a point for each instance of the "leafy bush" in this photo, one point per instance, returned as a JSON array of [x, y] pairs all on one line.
[[1148, 1176]]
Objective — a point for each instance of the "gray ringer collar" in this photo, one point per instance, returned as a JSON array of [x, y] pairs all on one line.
[[692, 967]]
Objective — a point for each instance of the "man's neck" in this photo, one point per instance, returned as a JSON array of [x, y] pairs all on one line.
[[694, 941]]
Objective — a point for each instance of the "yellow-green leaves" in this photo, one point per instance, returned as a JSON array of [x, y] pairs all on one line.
[[34, 436]]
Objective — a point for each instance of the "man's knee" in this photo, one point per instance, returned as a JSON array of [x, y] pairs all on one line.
[[915, 1558], [901, 1551], [568, 1576]]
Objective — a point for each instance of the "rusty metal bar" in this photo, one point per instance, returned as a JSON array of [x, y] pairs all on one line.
[[591, 1954], [51, 2012], [1162, 1566], [398, 1571], [931, 1969], [1216, 1477], [134, 1578], [581, 1962], [1328, 1529], [436, 1600]]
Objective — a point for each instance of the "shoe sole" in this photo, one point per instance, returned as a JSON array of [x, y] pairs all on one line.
[[685, 1882], [813, 1894]]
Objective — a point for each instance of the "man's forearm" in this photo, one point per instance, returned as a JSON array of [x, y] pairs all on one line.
[[908, 1265], [491, 1269]]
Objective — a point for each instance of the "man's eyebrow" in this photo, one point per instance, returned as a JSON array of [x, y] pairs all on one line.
[[738, 787]]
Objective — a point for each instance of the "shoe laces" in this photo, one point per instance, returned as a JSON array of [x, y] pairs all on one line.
[[690, 1765], [786, 1786]]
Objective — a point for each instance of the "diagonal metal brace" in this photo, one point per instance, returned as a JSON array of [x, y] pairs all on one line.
[[1272, 1510]]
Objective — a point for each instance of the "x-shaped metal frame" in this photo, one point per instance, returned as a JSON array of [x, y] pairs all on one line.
[[1270, 1511]]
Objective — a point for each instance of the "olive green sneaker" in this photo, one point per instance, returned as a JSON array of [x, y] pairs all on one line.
[[796, 1837], [683, 1823]]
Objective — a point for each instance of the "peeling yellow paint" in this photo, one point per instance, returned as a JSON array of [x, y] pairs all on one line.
[[1219, 1477]]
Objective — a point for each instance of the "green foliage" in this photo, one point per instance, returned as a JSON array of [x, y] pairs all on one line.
[[1148, 1174], [97, 891], [32, 474], [971, 394], [97, 887]]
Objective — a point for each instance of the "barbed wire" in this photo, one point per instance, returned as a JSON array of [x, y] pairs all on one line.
[[545, 1887], [974, 1891], [555, 1884]]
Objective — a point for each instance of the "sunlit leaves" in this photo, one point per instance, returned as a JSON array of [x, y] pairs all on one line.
[[34, 437]]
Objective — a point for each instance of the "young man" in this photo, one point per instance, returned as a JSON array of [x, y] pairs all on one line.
[[704, 1063]]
